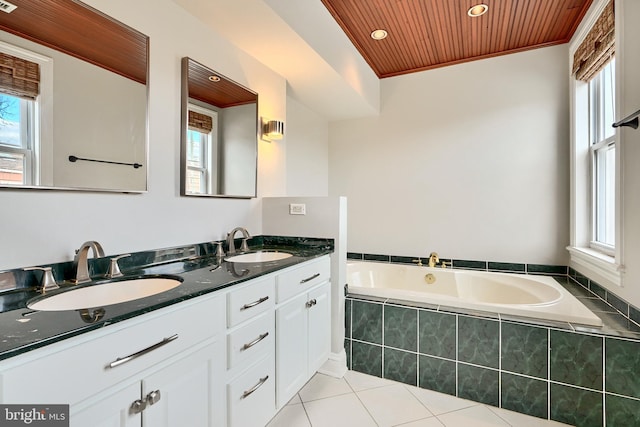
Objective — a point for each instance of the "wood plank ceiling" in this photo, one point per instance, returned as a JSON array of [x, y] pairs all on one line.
[[426, 34], [81, 31], [213, 88]]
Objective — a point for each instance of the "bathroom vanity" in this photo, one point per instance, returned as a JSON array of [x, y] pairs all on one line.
[[229, 346]]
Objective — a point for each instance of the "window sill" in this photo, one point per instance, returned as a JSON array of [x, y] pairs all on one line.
[[600, 267]]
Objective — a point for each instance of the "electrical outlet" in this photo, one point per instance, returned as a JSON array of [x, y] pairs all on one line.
[[297, 209]]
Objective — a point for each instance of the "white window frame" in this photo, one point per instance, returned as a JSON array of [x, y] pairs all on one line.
[[210, 151], [40, 160], [598, 262]]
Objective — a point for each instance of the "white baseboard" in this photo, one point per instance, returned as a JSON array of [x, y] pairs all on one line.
[[336, 365]]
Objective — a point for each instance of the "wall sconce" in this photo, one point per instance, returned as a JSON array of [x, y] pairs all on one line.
[[271, 129]]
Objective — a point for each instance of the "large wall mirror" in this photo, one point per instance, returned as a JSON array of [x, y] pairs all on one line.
[[219, 134], [73, 99]]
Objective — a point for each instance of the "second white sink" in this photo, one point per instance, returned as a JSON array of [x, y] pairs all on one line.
[[260, 256], [103, 294]]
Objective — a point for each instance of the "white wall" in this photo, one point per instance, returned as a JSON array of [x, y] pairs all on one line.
[[307, 139], [38, 227], [470, 161]]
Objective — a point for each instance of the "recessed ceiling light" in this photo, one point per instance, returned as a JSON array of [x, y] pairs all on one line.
[[379, 34], [214, 78], [477, 10]]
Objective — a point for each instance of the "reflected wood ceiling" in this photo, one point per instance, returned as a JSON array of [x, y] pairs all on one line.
[[426, 34], [223, 93], [79, 30]]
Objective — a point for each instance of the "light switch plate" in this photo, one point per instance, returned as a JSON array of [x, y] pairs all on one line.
[[297, 209]]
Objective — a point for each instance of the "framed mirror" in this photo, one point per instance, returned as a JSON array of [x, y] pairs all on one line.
[[73, 99], [219, 134]]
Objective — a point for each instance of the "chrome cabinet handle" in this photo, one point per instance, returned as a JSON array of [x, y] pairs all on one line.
[[138, 406], [248, 345], [308, 279], [253, 304], [121, 360], [311, 303], [255, 387], [153, 397]]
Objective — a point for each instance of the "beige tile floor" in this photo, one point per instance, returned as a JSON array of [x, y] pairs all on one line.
[[359, 400]]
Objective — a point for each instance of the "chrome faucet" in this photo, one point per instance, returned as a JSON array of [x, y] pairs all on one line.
[[231, 247], [80, 263], [433, 259]]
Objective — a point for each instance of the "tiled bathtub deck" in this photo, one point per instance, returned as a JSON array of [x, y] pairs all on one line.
[[360, 400], [585, 378]]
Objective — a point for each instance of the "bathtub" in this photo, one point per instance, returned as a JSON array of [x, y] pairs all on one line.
[[528, 296]]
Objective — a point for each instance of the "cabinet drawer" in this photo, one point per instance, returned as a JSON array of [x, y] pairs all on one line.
[[249, 342], [299, 279], [89, 356], [251, 396], [249, 301]]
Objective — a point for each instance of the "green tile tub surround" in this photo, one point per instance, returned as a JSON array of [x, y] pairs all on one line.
[[437, 334], [366, 321], [525, 395], [437, 374], [576, 359], [366, 358], [347, 350], [575, 406], [622, 412], [400, 366], [622, 367], [347, 318], [401, 328], [479, 384], [524, 349], [479, 341]]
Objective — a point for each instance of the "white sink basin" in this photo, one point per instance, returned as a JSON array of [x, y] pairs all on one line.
[[104, 294], [260, 256]]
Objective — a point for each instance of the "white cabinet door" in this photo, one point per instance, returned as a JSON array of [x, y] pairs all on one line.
[[110, 410], [319, 331], [291, 348], [189, 392]]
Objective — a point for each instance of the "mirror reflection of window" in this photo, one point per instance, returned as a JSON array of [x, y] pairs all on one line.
[[201, 150], [19, 90]]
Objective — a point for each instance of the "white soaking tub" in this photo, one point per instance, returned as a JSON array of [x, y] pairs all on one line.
[[531, 296]]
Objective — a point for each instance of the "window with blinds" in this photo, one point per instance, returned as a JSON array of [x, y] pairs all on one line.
[[19, 90], [200, 150]]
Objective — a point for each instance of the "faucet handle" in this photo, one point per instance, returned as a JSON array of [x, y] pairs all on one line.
[[219, 251], [114, 268], [244, 247], [418, 261], [48, 280]]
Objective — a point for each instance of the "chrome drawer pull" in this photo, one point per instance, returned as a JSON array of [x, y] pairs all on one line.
[[121, 360], [253, 304], [311, 303], [247, 346], [255, 387], [308, 279]]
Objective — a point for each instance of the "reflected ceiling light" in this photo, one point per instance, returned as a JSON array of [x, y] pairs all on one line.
[[214, 79], [477, 10], [271, 129], [378, 34]]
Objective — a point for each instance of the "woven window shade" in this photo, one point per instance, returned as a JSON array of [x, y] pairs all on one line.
[[200, 122], [598, 47], [19, 77]]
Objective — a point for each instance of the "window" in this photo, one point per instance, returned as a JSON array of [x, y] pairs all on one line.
[[603, 159], [19, 89], [594, 248], [200, 150]]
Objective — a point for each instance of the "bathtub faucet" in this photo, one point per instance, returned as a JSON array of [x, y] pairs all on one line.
[[433, 259]]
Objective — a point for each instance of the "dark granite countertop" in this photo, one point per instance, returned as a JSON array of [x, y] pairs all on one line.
[[24, 329]]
